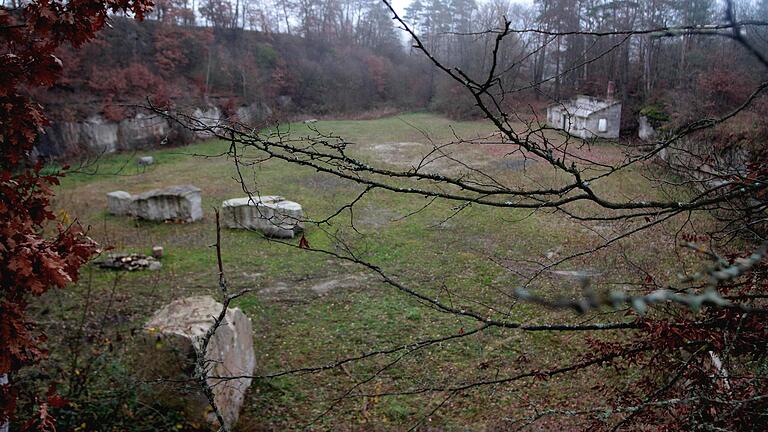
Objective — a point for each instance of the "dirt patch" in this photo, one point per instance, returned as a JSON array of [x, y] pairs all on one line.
[[350, 281], [371, 216], [515, 164], [400, 153], [396, 146], [282, 290], [461, 157]]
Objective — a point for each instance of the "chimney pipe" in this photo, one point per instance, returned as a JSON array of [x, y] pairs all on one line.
[[611, 90]]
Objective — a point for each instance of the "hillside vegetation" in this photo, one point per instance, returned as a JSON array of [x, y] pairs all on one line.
[[136, 62]]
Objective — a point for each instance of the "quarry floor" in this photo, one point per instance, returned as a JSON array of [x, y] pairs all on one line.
[[309, 309]]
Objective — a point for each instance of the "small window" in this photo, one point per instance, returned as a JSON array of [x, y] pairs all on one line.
[[602, 125]]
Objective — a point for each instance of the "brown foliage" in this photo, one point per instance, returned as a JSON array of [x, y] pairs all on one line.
[[31, 263]]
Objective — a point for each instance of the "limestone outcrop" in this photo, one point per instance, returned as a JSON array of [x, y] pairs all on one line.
[[206, 119], [645, 130], [254, 114], [272, 215], [167, 355], [97, 135], [175, 203]]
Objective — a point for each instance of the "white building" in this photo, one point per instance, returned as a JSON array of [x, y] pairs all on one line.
[[586, 117]]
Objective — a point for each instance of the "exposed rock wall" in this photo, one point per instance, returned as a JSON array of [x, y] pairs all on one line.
[[97, 135], [254, 114], [209, 117]]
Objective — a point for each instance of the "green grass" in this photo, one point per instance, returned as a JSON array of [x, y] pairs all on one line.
[[469, 259]]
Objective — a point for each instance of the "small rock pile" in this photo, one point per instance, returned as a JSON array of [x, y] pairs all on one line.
[[129, 262]]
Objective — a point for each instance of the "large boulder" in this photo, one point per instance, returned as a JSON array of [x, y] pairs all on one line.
[[167, 356], [272, 215], [120, 203], [182, 203]]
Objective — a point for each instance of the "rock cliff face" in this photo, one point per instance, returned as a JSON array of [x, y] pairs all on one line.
[[97, 135], [254, 114]]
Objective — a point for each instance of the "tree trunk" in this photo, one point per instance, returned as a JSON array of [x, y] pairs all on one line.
[[557, 69], [4, 427]]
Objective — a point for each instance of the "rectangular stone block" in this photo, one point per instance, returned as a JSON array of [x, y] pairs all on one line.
[[271, 214], [181, 203], [119, 203]]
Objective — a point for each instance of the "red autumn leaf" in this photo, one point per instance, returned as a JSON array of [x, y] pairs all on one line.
[[56, 401], [303, 242]]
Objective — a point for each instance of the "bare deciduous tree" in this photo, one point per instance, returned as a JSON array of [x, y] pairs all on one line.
[[681, 331]]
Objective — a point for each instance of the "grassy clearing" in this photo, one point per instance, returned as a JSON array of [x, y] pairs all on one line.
[[470, 259]]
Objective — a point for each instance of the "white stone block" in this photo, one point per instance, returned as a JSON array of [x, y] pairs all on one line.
[[173, 203], [271, 214], [173, 334], [119, 203]]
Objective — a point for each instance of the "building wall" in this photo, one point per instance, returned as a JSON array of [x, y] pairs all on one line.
[[586, 127], [612, 116], [555, 118]]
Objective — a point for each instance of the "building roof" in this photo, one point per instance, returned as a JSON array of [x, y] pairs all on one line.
[[584, 106]]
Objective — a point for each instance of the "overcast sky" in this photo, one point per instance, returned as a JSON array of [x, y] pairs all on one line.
[[400, 5]]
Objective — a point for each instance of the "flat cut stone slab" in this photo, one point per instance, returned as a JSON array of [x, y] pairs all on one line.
[[167, 356], [270, 214], [175, 203]]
